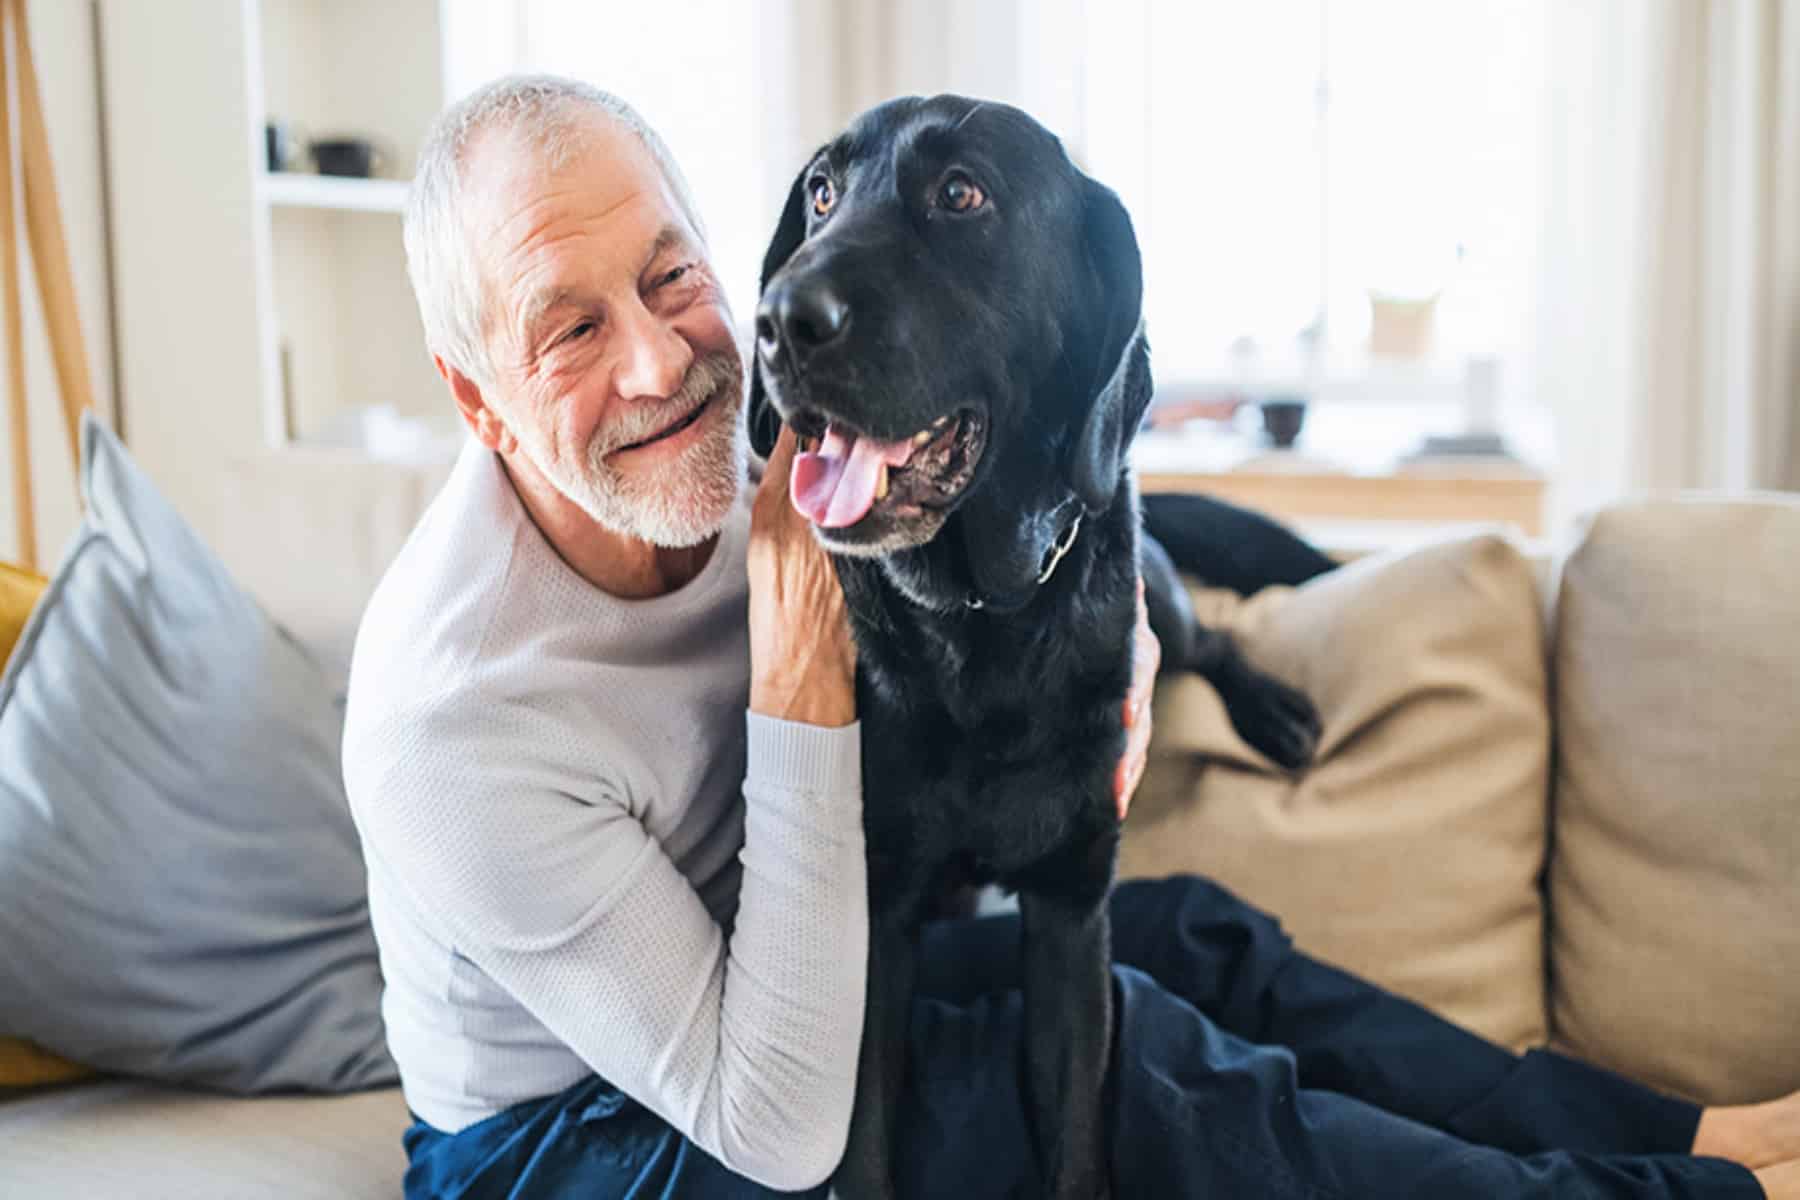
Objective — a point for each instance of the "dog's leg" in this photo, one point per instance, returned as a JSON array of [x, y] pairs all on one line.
[[1227, 546], [1166, 603], [1277, 719], [867, 1171], [1068, 1016]]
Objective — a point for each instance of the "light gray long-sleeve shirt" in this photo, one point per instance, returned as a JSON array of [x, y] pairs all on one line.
[[578, 863]]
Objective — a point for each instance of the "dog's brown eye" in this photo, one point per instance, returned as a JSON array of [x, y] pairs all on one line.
[[961, 194], [823, 195]]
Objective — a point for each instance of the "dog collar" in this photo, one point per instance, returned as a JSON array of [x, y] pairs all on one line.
[[1063, 545]]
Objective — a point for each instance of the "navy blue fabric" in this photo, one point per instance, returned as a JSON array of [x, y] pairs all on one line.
[[1242, 1068]]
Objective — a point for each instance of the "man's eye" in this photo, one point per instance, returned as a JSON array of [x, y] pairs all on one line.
[[824, 195], [674, 275], [961, 194], [579, 331]]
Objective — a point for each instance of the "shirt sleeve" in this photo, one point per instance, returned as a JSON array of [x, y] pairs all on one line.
[[568, 903]]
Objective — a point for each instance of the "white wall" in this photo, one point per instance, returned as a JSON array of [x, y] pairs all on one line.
[[996, 50], [62, 40], [180, 150]]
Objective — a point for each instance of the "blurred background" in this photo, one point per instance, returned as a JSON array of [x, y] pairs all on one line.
[[1410, 264]]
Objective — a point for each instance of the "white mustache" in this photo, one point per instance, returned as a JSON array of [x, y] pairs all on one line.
[[705, 376]]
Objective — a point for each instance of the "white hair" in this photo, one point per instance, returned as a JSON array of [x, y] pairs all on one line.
[[552, 115]]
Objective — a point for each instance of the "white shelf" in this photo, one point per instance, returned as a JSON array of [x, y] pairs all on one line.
[[439, 453], [294, 190]]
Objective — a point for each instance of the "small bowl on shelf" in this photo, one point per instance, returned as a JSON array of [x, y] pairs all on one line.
[[348, 158], [1283, 417]]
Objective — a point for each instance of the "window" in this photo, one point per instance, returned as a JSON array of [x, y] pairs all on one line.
[[1285, 160]]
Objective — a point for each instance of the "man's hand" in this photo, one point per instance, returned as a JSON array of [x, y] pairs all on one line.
[[802, 661], [1146, 657], [1756, 1135]]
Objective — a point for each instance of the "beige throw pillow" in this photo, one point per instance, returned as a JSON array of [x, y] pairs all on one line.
[[1410, 852], [1675, 887]]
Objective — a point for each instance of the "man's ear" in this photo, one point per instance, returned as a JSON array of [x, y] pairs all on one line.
[[765, 423], [482, 420], [1120, 384]]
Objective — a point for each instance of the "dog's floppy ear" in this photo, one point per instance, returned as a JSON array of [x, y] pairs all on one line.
[[1121, 357], [765, 424]]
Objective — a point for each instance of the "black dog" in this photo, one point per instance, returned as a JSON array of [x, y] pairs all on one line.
[[950, 323]]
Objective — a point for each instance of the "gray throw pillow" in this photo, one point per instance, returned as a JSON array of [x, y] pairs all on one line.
[[182, 894]]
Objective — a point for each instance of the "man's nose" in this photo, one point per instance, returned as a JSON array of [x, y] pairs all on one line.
[[803, 315], [655, 363]]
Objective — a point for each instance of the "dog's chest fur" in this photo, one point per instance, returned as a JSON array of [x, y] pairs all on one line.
[[990, 741]]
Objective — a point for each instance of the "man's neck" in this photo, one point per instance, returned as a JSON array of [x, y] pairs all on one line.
[[619, 565]]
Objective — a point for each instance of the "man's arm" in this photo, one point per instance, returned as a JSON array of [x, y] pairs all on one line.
[[570, 905], [577, 912]]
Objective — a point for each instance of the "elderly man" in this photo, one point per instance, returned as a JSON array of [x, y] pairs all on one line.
[[603, 754]]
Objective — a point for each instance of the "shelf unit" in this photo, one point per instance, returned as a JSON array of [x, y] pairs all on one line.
[[293, 190], [338, 327]]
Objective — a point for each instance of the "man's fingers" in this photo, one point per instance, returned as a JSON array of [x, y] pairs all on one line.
[[1146, 658], [772, 492], [781, 459], [1137, 753]]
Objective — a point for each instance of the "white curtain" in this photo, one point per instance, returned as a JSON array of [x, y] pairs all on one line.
[[1722, 390], [1670, 340]]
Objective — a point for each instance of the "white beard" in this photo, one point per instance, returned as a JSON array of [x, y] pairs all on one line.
[[684, 502]]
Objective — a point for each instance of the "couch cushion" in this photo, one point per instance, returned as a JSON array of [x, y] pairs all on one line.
[[182, 892], [19, 592], [1410, 851], [1675, 888], [136, 1139], [21, 1063]]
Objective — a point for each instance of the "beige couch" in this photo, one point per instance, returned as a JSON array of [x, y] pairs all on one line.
[[1628, 888], [1576, 823]]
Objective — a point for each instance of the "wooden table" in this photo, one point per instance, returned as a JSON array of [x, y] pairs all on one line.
[[1438, 492]]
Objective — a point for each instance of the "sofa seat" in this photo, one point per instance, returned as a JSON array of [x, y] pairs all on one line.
[[128, 1138]]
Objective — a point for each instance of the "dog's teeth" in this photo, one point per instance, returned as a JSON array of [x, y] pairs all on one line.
[[921, 437], [881, 483]]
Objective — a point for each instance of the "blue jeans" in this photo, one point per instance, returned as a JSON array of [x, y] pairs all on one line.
[[1242, 1068]]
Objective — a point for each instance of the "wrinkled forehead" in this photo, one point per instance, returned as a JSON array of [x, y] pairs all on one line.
[[599, 193], [593, 163]]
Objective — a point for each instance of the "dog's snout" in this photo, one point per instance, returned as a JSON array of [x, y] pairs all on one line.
[[804, 315]]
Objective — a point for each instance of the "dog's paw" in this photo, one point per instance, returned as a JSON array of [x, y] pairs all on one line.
[[1280, 721]]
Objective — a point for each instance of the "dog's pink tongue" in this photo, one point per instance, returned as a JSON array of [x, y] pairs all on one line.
[[834, 486]]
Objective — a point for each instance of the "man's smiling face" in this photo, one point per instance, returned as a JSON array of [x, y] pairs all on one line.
[[610, 341]]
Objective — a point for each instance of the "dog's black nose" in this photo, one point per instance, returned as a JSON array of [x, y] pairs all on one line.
[[805, 315]]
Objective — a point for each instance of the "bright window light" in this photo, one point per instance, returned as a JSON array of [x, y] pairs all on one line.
[[1287, 159]]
